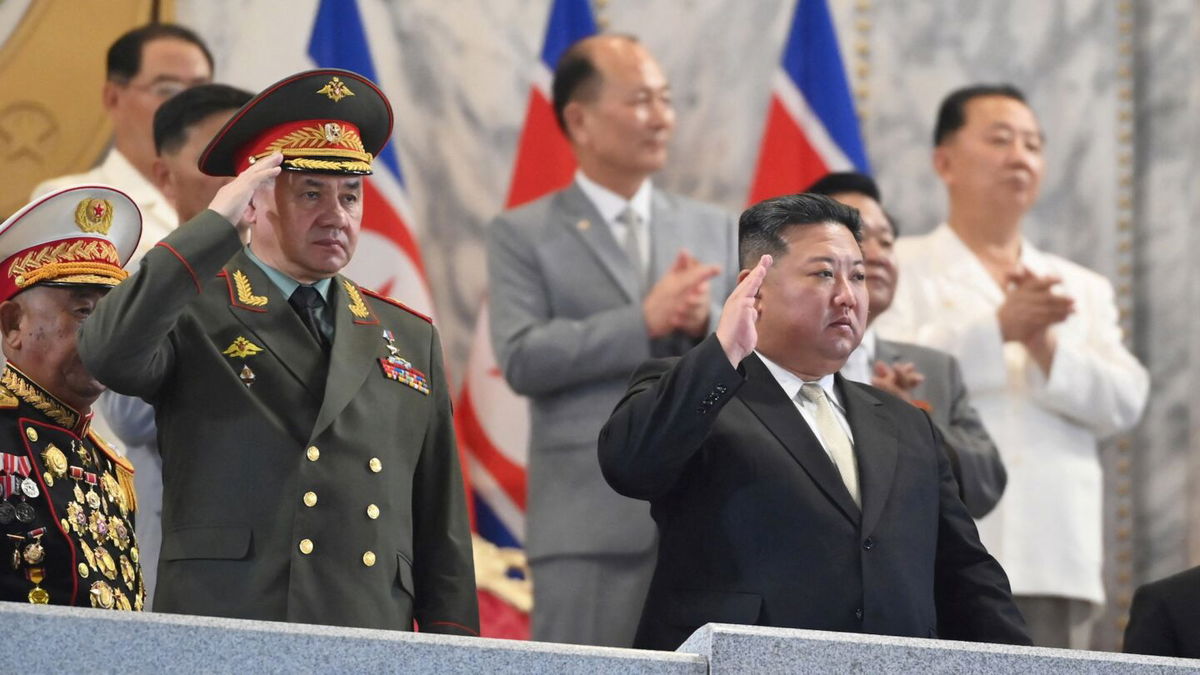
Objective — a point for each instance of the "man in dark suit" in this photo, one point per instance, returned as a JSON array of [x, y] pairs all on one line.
[[928, 378], [585, 284], [310, 472], [1165, 617], [784, 494]]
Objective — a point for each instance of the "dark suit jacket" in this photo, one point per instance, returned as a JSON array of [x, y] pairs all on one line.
[[1165, 617], [240, 459], [756, 527], [973, 455]]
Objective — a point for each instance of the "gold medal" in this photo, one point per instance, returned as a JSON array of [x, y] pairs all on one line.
[[87, 554], [49, 478], [105, 563], [98, 526], [34, 553], [101, 595], [93, 499], [127, 572], [77, 518], [55, 460], [118, 532], [38, 595], [122, 602], [78, 492], [84, 572], [137, 599]]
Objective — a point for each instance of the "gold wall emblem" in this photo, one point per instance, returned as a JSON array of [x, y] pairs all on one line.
[[94, 215], [357, 307], [245, 294], [336, 90], [240, 348]]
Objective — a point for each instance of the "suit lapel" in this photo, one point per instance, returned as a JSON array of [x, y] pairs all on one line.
[[874, 447], [582, 219], [357, 337], [762, 394], [259, 306]]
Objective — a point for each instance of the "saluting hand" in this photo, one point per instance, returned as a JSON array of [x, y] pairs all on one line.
[[233, 197], [736, 331]]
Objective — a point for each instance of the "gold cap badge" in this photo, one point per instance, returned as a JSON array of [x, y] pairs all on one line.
[[94, 216]]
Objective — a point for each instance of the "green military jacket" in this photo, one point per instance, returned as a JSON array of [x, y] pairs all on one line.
[[296, 487], [66, 505]]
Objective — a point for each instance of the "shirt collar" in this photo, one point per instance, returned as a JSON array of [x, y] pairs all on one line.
[[860, 366], [791, 383], [283, 282], [610, 204]]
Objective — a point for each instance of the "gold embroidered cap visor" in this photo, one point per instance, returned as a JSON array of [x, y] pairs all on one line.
[[325, 121], [80, 235]]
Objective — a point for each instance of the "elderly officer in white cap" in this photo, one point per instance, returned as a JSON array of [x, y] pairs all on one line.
[[67, 502]]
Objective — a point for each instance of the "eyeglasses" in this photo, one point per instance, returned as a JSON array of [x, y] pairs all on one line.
[[160, 89]]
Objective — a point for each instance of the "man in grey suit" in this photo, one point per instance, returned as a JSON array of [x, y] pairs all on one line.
[[586, 284], [928, 378]]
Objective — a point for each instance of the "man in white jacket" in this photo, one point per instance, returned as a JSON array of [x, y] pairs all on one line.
[[1041, 351]]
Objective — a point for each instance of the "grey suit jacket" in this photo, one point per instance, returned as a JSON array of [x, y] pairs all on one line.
[[977, 464], [567, 327]]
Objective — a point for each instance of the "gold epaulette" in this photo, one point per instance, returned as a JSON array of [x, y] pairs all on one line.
[[125, 468]]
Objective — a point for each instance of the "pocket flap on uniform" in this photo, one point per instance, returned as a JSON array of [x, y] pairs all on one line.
[[224, 542], [404, 574], [696, 608]]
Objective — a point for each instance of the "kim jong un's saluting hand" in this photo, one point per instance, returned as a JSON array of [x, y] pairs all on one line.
[[736, 331]]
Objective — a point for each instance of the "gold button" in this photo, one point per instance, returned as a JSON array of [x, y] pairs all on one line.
[[313, 453], [375, 465], [372, 512], [369, 559], [310, 499], [32, 434], [306, 546]]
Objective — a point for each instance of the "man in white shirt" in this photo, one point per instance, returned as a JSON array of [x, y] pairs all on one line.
[[145, 67], [585, 284], [928, 378], [1041, 350]]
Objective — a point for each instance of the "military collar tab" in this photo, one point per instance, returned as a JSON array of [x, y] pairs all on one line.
[[43, 401]]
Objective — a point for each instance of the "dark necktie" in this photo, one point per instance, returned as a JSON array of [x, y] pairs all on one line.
[[309, 304]]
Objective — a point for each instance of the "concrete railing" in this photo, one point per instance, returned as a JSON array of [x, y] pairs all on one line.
[[63, 639]]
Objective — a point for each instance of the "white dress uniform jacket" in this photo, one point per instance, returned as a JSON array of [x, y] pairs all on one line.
[[1047, 530]]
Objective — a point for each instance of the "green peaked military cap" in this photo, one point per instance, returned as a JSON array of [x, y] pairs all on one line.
[[326, 120]]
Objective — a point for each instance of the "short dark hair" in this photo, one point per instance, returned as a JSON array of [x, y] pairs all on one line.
[[576, 77], [846, 181], [125, 55], [952, 114], [841, 182], [762, 226], [174, 118]]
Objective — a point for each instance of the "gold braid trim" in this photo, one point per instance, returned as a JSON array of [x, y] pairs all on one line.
[[357, 306], [325, 165], [245, 294], [317, 137], [91, 250], [46, 404], [96, 271], [123, 466]]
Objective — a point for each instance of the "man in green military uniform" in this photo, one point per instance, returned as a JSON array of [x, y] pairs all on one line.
[[310, 471], [66, 498]]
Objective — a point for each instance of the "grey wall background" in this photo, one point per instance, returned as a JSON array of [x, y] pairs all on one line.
[[1116, 84]]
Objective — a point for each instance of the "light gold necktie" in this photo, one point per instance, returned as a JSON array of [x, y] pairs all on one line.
[[834, 437], [634, 231]]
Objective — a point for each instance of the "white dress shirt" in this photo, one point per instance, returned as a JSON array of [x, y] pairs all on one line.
[[791, 386], [860, 367], [611, 205]]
